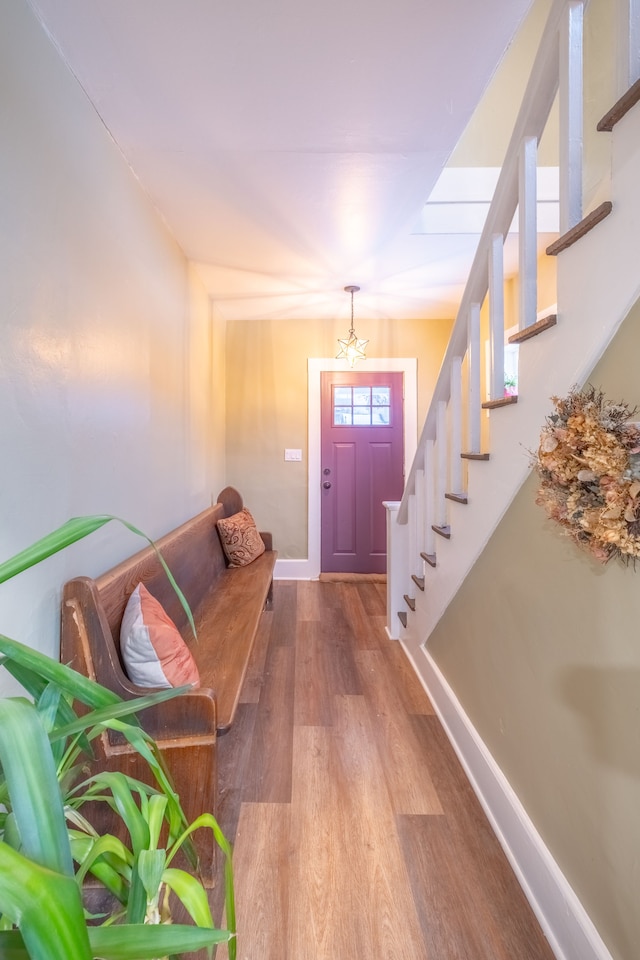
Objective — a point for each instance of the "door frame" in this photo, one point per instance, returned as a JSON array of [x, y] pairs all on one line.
[[367, 467], [309, 569]]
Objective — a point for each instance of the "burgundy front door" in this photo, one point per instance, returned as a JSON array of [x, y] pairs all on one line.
[[362, 458]]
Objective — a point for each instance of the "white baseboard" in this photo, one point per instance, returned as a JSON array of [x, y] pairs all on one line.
[[565, 922], [294, 570]]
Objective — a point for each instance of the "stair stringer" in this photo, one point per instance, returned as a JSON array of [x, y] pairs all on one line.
[[598, 283]]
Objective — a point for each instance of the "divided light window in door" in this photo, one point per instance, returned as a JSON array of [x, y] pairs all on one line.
[[361, 406]]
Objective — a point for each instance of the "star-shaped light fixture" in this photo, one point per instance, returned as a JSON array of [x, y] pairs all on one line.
[[352, 348]]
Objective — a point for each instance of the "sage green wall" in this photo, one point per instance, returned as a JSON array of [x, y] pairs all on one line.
[[109, 363], [542, 647], [267, 408]]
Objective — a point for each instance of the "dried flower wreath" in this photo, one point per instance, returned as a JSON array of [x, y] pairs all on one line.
[[588, 462]]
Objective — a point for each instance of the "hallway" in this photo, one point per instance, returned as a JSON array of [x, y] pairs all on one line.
[[356, 833]]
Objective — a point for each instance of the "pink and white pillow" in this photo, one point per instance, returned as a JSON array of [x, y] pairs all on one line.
[[153, 652]]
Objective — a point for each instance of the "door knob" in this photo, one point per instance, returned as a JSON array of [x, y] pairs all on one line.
[[327, 484]]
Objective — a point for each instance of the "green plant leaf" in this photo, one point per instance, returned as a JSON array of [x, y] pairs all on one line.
[[47, 907], [137, 900], [192, 895], [124, 942], [122, 789], [150, 869], [79, 687], [148, 749], [30, 773], [36, 686], [208, 820], [105, 715], [155, 818], [71, 532], [106, 857], [171, 578], [146, 941], [12, 946], [48, 707], [10, 832]]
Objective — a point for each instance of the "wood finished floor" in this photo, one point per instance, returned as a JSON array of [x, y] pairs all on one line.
[[356, 833]]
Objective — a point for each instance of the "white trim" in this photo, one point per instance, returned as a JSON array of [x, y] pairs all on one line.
[[566, 924], [292, 570], [406, 365]]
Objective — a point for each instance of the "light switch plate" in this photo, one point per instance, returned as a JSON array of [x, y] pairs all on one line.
[[293, 454]]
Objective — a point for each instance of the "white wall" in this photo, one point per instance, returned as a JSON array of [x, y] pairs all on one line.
[[109, 358]]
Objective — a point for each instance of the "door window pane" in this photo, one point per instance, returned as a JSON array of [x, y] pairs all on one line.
[[362, 416], [342, 395], [362, 406], [342, 416], [380, 416]]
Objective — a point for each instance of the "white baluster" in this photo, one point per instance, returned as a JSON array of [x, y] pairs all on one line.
[[418, 563], [441, 472], [473, 361], [628, 46], [430, 497], [413, 534], [496, 316], [397, 564], [528, 231], [455, 410], [571, 110]]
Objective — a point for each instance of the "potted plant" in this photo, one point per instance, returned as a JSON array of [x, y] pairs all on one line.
[[510, 385], [47, 843]]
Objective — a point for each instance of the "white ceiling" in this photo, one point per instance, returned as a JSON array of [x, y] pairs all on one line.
[[291, 145]]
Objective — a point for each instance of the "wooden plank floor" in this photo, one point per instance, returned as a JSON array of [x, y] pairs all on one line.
[[356, 833]]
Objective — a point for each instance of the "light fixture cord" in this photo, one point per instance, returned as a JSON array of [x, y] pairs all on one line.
[[351, 331]]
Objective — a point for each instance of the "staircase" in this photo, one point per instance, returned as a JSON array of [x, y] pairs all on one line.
[[464, 477]]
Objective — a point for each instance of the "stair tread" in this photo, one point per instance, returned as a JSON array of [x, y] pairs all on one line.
[[403, 618], [586, 224], [534, 329], [620, 108], [474, 456], [430, 558], [457, 497], [419, 581], [410, 602], [442, 531], [501, 402]]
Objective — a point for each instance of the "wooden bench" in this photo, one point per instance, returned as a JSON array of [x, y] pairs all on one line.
[[226, 603]]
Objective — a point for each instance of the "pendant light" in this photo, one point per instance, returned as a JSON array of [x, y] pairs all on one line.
[[352, 348]]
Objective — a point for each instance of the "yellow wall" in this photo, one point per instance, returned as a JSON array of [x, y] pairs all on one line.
[[599, 96], [541, 648], [486, 137], [267, 411]]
